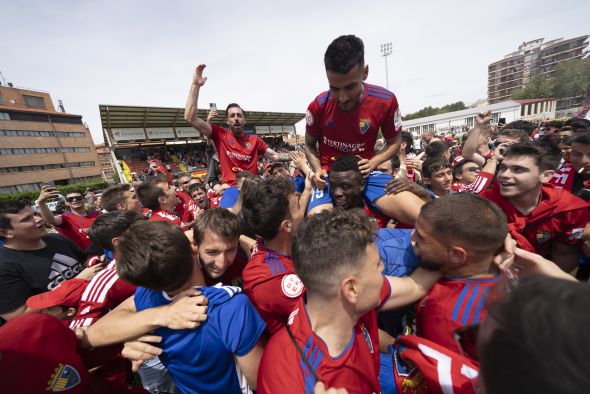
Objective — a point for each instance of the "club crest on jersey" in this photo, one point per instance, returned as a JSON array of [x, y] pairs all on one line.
[[367, 337], [543, 236], [63, 378], [330, 123], [248, 145], [308, 118], [292, 286], [364, 124], [230, 141]]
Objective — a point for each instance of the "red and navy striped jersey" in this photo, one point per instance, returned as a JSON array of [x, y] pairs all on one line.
[[354, 132], [272, 285], [452, 304], [356, 369]]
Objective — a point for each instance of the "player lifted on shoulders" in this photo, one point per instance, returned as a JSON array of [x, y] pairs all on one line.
[[237, 151], [346, 120]]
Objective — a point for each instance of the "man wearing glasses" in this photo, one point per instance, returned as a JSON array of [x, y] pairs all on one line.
[[75, 223]]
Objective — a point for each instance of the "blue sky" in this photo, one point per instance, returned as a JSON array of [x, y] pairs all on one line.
[[266, 55]]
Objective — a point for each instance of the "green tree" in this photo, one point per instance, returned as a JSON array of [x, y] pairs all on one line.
[[538, 87], [429, 111], [572, 78]]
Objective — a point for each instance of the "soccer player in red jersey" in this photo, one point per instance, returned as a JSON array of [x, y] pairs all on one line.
[[346, 120], [541, 218], [75, 223], [449, 237], [161, 198], [332, 335], [237, 151], [274, 211], [121, 198], [200, 197]]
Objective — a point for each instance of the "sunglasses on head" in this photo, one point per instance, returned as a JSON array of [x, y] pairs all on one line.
[[74, 198]]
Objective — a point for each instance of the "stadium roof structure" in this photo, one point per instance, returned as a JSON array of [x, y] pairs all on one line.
[[142, 124]]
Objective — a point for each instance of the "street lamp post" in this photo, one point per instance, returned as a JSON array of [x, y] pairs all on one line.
[[386, 50]]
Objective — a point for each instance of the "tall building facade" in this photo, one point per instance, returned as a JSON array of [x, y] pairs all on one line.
[[38, 143], [532, 58]]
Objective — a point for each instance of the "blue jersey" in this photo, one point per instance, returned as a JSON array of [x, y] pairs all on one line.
[[201, 360], [395, 249]]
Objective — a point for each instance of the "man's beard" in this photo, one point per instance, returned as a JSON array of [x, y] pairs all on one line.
[[430, 265]]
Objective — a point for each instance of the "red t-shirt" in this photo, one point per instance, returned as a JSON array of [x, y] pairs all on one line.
[[559, 215], [76, 227], [236, 153], [104, 293], [167, 216], [481, 183], [185, 207], [451, 304], [356, 369], [270, 281], [214, 199], [564, 176], [355, 132]]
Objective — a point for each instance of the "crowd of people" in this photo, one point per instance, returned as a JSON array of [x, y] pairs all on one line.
[[459, 267]]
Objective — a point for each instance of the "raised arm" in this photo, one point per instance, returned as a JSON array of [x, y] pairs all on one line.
[[472, 143], [48, 216], [190, 110]]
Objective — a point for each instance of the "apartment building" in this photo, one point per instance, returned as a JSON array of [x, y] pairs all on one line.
[[39, 143]]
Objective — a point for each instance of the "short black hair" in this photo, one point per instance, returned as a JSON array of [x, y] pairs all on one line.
[[431, 165], [539, 338], [149, 193], [10, 208], [344, 53], [329, 246], [436, 149], [520, 134], [525, 125], [408, 138], [579, 138], [155, 255], [345, 163], [546, 156], [459, 217], [266, 205], [577, 123], [110, 225], [234, 105], [197, 186], [114, 196]]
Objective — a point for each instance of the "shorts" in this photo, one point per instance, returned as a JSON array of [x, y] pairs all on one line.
[[230, 197], [374, 190]]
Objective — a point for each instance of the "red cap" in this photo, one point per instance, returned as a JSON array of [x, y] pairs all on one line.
[[67, 293], [38, 355]]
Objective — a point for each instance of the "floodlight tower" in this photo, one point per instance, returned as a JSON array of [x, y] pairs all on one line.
[[386, 50]]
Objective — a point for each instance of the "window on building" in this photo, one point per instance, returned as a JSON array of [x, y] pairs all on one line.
[[4, 116], [530, 107], [469, 121], [34, 101], [495, 117], [1, 99]]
